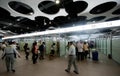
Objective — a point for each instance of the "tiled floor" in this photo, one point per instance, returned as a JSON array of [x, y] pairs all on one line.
[[56, 67]]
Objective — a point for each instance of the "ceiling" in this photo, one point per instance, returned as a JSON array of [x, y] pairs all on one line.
[[26, 16]]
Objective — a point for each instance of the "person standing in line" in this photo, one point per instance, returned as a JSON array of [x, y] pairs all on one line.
[[18, 46], [86, 49], [10, 57], [34, 52], [53, 49], [26, 49], [91, 46], [42, 51], [80, 51], [71, 59], [52, 52]]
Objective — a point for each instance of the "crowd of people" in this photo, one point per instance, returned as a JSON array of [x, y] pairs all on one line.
[[83, 49], [79, 50], [10, 50]]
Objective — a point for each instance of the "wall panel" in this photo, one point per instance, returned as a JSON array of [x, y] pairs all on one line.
[[116, 49]]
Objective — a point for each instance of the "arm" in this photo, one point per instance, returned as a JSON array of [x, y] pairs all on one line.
[[3, 54], [17, 53], [70, 51]]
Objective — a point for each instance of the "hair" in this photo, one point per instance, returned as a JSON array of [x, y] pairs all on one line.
[[71, 42], [43, 42], [26, 43], [53, 43], [10, 42]]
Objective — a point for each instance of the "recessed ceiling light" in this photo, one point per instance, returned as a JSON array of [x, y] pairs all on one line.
[[45, 22], [57, 1], [31, 13], [50, 22], [18, 19], [4, 26], [28, 28], [21, 29], [10, 24]]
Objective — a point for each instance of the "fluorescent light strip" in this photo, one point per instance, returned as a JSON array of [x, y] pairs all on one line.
[[70, 29]]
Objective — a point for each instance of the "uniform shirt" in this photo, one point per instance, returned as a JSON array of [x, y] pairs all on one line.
[[72, 50]]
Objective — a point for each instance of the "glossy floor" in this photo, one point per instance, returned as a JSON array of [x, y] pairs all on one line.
[[56, 67]]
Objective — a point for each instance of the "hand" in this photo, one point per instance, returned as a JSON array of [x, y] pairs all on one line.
[[2, 58], [19, 56]]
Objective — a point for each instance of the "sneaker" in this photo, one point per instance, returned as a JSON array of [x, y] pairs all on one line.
[[13, 70], [67, 71], [76, 72]]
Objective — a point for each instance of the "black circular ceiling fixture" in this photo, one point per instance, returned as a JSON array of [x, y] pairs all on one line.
[[81, 20], [26, 22], [48, 7], [60, 20], [76, 7], [116, 12], [42, 20], [112, 19], [99, 18], [4, 12], [103, 7], [21, 7]]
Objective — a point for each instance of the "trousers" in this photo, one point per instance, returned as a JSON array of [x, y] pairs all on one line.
[[9, 59], [72, 61]]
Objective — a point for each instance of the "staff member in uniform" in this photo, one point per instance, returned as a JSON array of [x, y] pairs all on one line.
[[72, 58], [9, 54]]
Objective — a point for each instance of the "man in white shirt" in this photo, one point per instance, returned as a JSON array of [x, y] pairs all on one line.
[[72, 58], [80, 51]]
